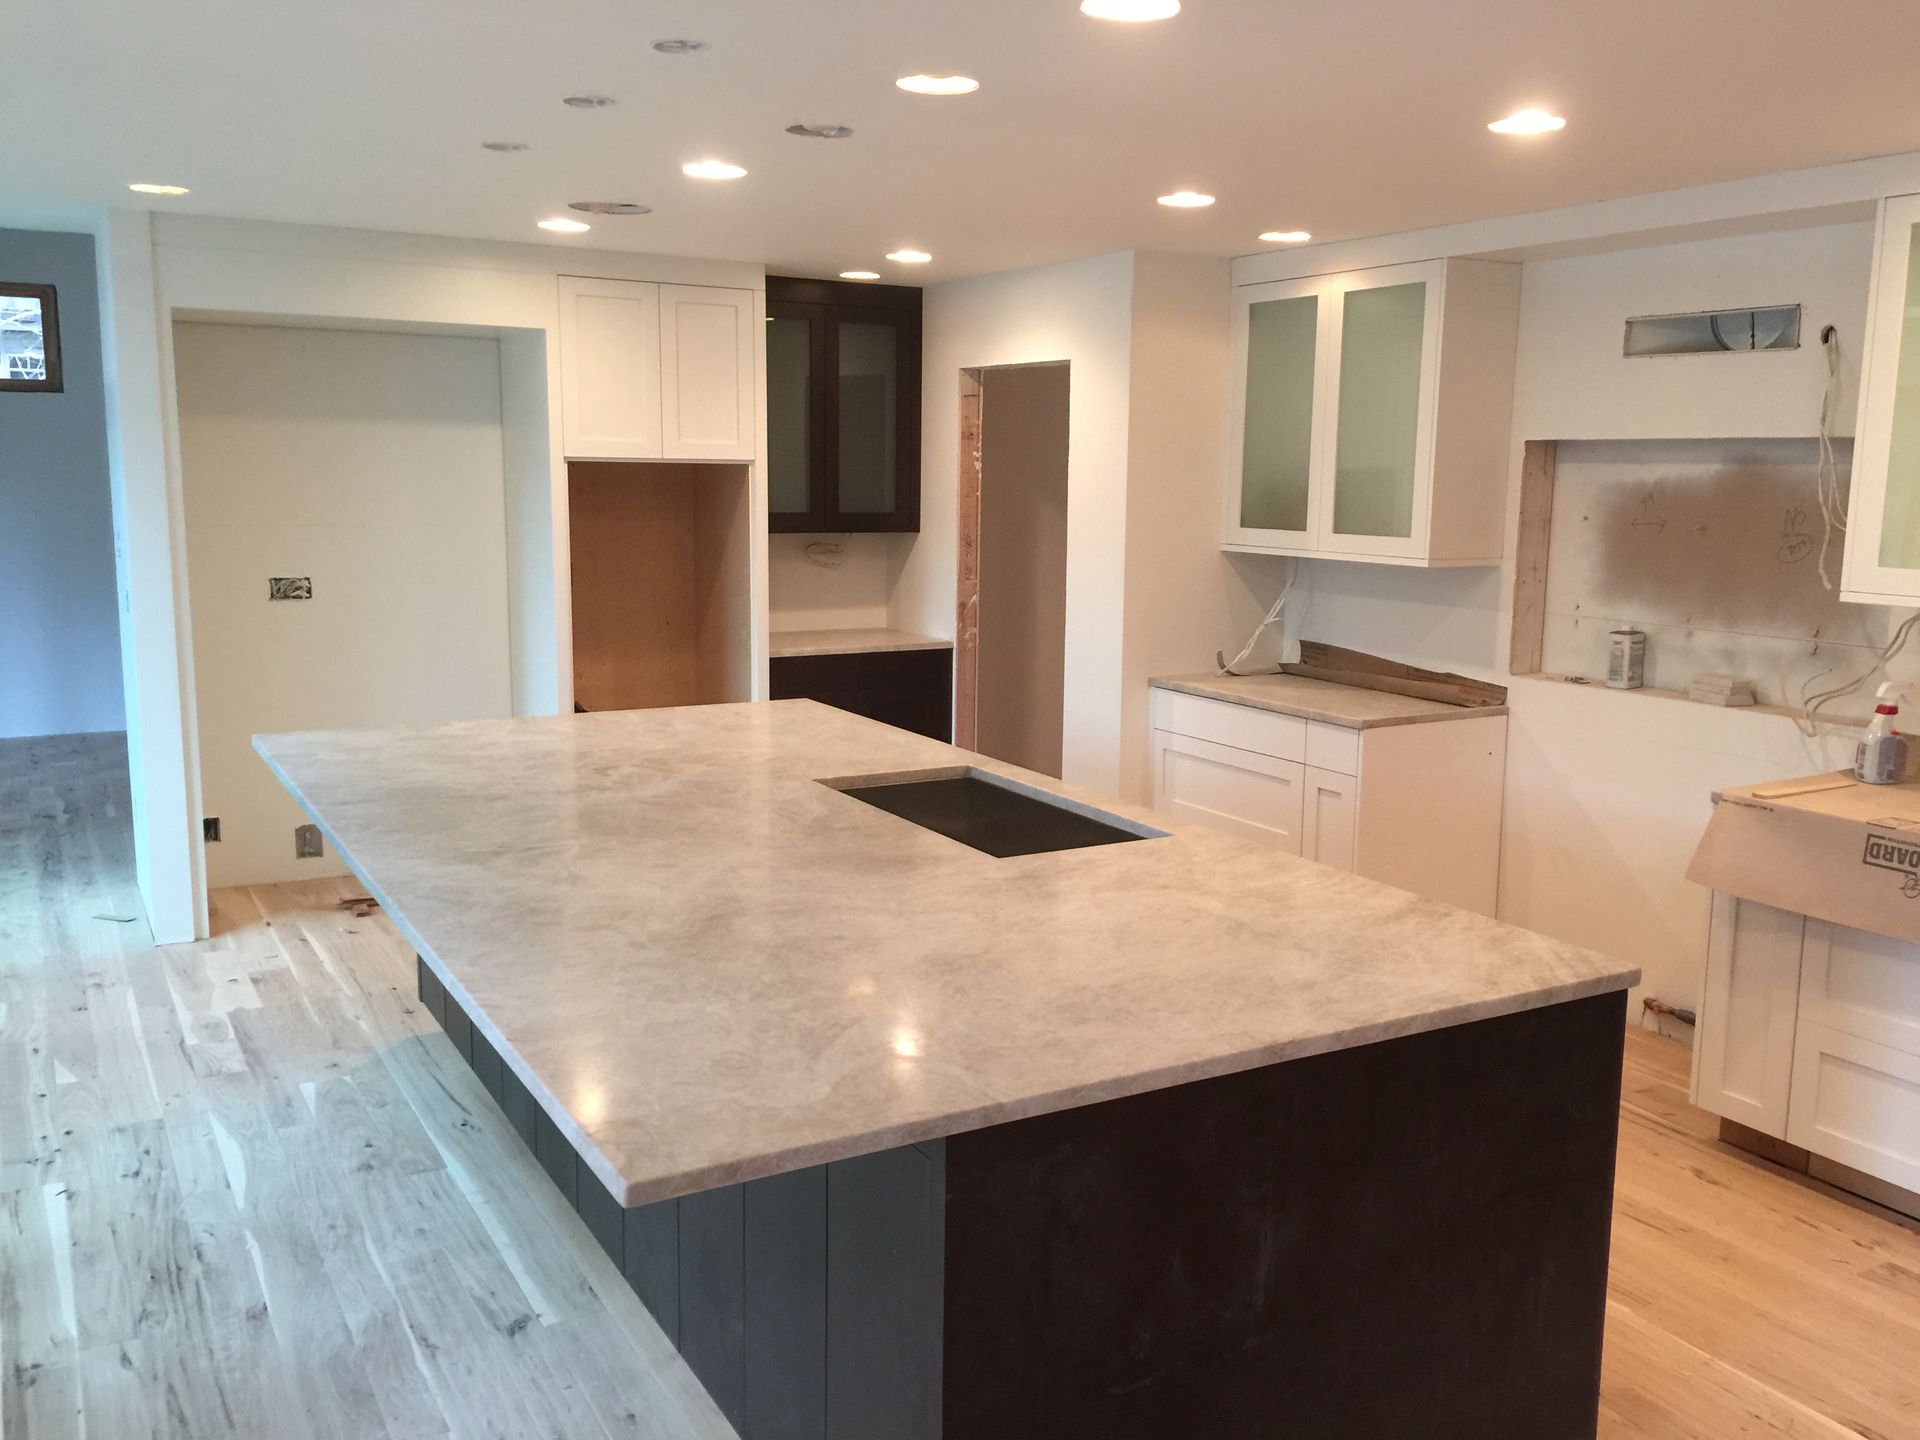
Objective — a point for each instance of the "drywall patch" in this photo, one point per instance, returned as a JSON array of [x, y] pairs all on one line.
[[1713, 548]]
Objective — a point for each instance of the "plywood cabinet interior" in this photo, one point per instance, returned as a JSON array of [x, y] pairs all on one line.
[[1371, 414], [652, 372], [1361, 800], [661, 612]]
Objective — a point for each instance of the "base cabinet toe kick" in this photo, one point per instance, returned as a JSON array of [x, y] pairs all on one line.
[[1409, 1237]]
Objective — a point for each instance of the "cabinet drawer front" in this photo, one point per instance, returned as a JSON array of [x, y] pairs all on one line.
[[1864, 984], [1333, 747], [1858, 1103], [1253, 796], [1283, 737]]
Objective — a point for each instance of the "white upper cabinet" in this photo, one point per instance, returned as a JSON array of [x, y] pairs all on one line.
[[1372, 415], [1883, 517], [706, 373], [656, 372]]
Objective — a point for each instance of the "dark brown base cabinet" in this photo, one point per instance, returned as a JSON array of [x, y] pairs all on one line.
[[1404, 1239], [912, 689]]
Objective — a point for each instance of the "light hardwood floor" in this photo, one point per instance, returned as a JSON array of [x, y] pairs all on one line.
[[247, 1189]]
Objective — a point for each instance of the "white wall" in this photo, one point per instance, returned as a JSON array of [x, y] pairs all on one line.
[[156, 270], [1607, 793], [1186, 598], [60, 640], [850, 590], [1080, 312], [1148, 589], [370, 464]]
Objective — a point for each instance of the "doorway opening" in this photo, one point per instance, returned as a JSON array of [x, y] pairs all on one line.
[[1010, 660]]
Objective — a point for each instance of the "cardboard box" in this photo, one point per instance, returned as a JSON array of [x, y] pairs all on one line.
[[1826, 846]]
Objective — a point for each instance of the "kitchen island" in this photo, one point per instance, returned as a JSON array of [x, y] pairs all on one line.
[[1159, 1135]]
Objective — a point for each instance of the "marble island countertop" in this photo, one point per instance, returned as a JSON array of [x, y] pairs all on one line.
[[1310, 699], [710, 968]]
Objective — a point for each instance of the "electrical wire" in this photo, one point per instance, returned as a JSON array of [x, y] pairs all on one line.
[[1833, 504], [1808, 720], [1273, 616]]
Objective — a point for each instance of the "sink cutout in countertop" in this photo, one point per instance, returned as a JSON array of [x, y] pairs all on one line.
[[991, 813]]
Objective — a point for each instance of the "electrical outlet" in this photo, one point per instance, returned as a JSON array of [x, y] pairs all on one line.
[[210, 829], [307, 844]]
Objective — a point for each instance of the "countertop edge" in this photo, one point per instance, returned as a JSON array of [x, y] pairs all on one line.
[[1326, 717]]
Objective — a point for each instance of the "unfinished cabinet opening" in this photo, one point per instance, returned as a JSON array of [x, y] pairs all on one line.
[[661, 612]]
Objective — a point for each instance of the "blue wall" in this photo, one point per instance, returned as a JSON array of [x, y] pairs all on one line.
[[59, 613]]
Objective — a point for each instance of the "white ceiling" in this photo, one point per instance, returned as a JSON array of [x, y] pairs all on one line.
[[1343, 117]]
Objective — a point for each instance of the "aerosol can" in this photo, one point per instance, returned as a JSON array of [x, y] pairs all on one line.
[[1881, 758]]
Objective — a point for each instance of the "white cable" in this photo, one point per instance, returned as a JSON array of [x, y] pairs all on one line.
[[1273, 616], [1808, 720], [828, 554], [1833, 505]]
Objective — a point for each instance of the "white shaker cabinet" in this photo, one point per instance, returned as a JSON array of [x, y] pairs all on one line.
[[656, 372], [1882, 564], [1361, 799], [1371, 414], [1810, 1033]]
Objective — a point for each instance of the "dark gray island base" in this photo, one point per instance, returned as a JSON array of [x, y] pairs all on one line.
[[1403, 1239]]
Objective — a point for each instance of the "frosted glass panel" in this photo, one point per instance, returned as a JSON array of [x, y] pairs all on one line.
[[1277, 441], [1900, 524], [789, 415], [1380, 339], [869, 407]]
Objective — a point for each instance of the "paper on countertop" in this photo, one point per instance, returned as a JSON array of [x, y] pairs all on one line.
[[1825, 845]]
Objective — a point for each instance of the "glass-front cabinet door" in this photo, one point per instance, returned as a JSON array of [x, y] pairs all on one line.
[[792, 337], [1271, 499], [1386, 346], [1883, 525]]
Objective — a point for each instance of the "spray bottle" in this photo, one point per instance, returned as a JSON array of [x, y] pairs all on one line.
[[1881, 758]]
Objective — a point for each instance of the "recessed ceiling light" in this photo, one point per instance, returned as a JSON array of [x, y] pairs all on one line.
[[588, 102], [859, 274], [712, 170], [609, 207], [1130, 9], [938, 84], [909, 257], [504, 147], [821, 132], [1529, 122], [561, 225], [1286, 237], [146, 189], [677, 46], [1186, 200]]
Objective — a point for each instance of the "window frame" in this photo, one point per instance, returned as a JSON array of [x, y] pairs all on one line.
[[53, 382]]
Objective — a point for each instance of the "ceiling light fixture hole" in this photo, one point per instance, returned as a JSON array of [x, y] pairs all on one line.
[[821, 132]]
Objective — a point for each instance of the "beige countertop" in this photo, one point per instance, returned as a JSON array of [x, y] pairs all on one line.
[[1347, 705], [788, 643], [708, 968]]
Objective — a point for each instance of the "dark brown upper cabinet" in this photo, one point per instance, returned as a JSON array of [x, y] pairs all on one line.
[[843, 406]]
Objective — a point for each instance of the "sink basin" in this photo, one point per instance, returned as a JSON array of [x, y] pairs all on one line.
[[992, 813]]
